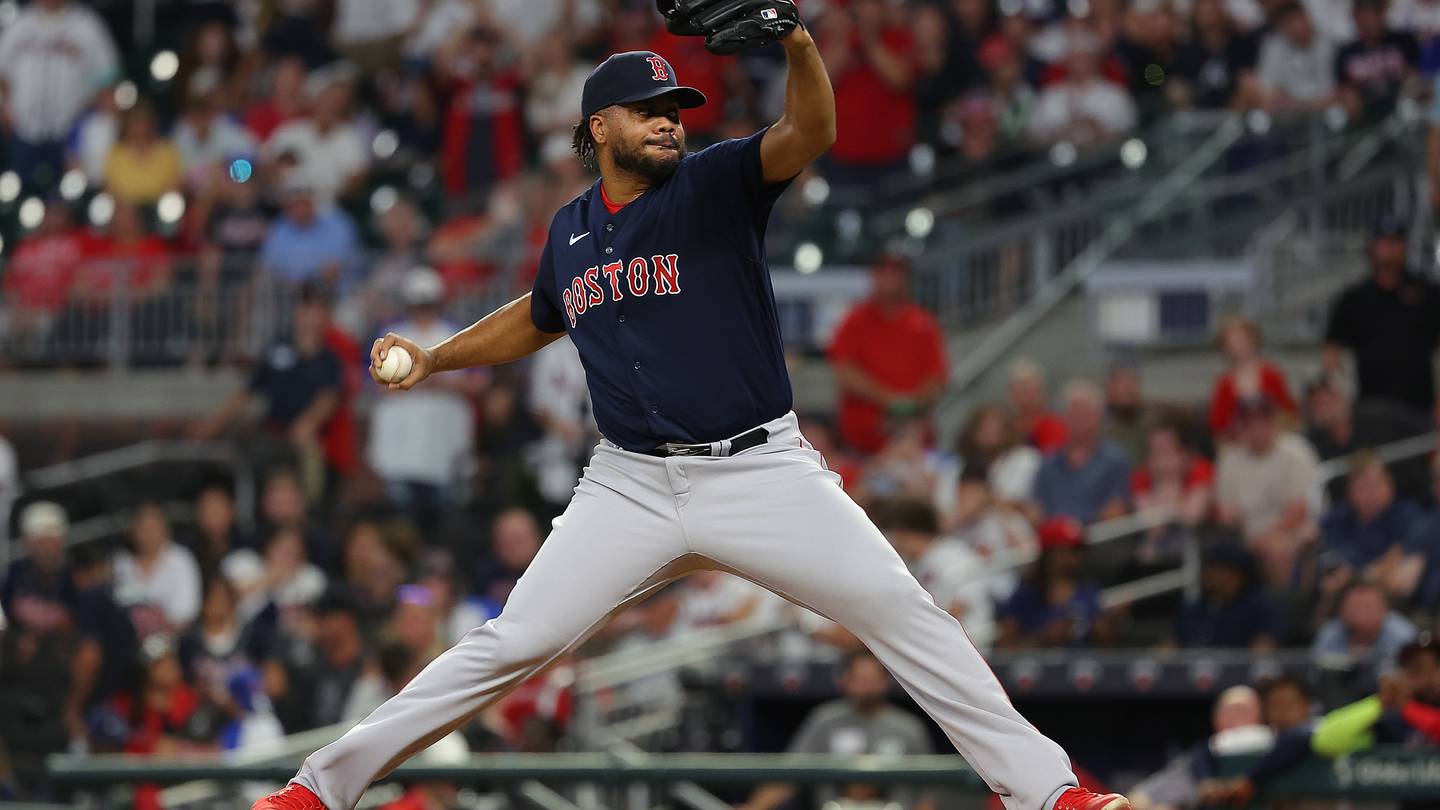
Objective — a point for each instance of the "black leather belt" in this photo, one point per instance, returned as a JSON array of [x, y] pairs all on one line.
[[728, 447]]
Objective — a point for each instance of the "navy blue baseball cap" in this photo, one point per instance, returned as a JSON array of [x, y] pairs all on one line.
[[634, 76], [1387, 226]]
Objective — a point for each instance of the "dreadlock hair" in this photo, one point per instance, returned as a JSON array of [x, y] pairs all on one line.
[[584, 145]]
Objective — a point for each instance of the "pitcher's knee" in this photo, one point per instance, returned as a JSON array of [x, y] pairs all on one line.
[[887, 599], [514, 643]]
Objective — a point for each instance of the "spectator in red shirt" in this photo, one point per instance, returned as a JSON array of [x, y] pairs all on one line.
[[285, 102], [1033, 418], [38, 276], [1249, 375], [126, 253], [338, 434], [163, 716], [889, 357], [869, 51], [1175, 481], [483, 140]]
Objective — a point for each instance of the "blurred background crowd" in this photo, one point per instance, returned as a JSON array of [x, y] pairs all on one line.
[[267, 185]]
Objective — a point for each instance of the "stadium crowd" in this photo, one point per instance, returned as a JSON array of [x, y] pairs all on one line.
[[387, 524], [348, 140]]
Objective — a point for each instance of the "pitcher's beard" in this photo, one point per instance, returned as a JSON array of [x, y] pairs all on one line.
[[641, 163]]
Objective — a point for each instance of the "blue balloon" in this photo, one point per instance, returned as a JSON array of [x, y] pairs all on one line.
[[240, 170]]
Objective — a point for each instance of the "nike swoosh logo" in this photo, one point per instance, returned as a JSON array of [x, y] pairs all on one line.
[[574, 238]]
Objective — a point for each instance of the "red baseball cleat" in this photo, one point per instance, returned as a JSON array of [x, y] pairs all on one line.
[[1081, 799], [299, 797]]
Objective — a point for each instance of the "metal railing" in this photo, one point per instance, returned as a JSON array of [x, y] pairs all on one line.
[[201, 315], [975, 270]]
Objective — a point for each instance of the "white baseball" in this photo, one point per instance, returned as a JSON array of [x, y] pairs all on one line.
[[396, 365]]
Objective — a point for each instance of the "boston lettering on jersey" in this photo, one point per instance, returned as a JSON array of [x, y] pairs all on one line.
[[668, 301], [635, 277]]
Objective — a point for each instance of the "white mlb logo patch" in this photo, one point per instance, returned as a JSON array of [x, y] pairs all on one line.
[[769, 14]]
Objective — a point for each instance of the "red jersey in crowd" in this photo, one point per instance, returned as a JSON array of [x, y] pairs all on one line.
[[875, 121], [1226, 397], [44, 266], [482, 144], [339, 433], [900, 347], [1047, 433], [149, 726], [144, 261], [1199, 472], [548, 697], [701, 70]]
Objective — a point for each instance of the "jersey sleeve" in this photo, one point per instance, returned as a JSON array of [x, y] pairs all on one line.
[[731, 174], [545, 312]]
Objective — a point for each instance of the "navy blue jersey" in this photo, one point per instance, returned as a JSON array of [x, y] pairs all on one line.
[[669, 302]]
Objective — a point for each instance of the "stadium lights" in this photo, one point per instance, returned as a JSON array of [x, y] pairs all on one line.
[[808, 258], [1078, 8], [385, 144], [72, 185], [1010, 8], [922, 159], [383, 199], [421, 175], [1133, 153], [1258, 121], [102, 208], [9, 187], [1336, 117], [816, 191], [126, 95], [919, 222], [171, 207], [848, 224], [32, 211], [164, 66], [1063, 153]]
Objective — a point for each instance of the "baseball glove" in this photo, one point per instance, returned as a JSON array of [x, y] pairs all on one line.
[[730, 26]]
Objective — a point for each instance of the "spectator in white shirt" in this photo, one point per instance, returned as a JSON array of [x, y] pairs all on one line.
[[209, 140], [370, 32], [281, 575], [714, 599], [989, 440], [422, 441], [326, 145], [1297, 64], [560, 403], [556, 81], [157, 573], [1419, 17], [1084, 108], [53, 58]]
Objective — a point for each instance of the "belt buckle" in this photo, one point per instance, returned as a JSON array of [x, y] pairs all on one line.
[[674, 449]]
